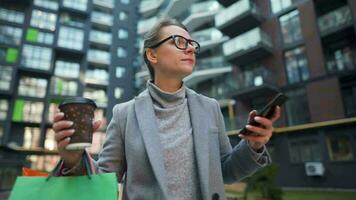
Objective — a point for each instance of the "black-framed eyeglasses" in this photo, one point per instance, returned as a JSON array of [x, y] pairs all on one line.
[[180, 42]]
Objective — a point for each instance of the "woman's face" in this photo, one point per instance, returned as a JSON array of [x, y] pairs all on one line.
[[171, 61]]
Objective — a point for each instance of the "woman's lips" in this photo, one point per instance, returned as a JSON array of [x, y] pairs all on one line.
[[188, 60]]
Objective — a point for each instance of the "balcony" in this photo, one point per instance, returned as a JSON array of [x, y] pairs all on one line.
[[100, 37], [336, 22], [145, 25], [98, 57], [206, 69], [341, 60], [102, 19], [201, 13], [209, 38], [248, 84], [149, 7], [175, 8], [104, 3], [248, 47], [238, 18]]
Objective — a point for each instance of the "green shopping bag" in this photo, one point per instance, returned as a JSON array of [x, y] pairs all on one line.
[[91, 187]]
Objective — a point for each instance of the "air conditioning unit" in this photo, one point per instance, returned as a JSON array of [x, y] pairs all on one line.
[[314, 169]]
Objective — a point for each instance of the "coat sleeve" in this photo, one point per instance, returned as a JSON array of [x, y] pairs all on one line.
[[112, 156], [237, 162]]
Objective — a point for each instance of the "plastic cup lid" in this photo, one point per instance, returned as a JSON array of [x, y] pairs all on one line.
[[77, 100]]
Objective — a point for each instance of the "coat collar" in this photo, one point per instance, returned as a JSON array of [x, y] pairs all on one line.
[[150, 133]]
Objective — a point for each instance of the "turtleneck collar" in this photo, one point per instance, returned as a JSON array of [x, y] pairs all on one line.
[[166, 99]]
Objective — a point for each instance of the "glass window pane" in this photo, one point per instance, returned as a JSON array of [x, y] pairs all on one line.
[[63, 87], [296, 65], [12, 15], [67, 69], [121, 52], [278, 5], [297, 108], [44, 20], [290, 25], [123, 34], [304, 149], [339, 148], [98, 95], [33, 87], [120, 71], [31, 138], [4, 107], [5, 77], [27, 111], [81, 5], [50, 4], [10, 35], [123, 16], [36, 57], [71, 38]]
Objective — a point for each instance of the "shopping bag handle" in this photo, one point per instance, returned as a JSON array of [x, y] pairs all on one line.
[[87, 163]]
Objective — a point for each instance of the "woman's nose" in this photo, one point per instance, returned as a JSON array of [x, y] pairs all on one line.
[[190, 49]]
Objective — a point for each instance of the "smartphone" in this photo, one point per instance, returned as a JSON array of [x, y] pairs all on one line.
[[266, 112]]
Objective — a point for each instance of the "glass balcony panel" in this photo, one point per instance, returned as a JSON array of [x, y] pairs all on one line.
[[337, 18], [203, 7], [207, 35], [233, 11], [102, 18], [99, 56], [100, 37], [104, 3]]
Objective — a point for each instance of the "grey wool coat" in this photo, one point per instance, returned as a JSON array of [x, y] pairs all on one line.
[[133, 148]]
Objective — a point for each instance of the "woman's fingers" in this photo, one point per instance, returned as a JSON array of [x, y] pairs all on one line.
[[62, 144], [276, 114], [58, 116], [63, 134], [60, 125]]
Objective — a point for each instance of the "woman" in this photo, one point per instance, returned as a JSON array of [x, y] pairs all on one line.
[[169, 141]]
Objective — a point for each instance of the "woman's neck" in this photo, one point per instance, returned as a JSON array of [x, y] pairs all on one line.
[[168, 85]]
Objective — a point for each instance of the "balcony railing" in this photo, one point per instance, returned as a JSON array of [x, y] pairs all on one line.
[[207, 35], [341, 60], [148, 6], [211, 63], [205, 7], [335, 19], [245, 42], [104, 3]]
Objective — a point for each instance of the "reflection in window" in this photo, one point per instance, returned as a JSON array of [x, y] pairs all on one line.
[[122, 34], [278, 5], [98, 95], [290, 25], [297, 65], [31, 138], [50, 4], [10, 35], [121, 52], [297, 108], [36, 57], [4, 106], [27, 111], [71, 38], [304, 149], [67, 69], [33, 87], [123, 15], [120, 71], [339, 148], [44, 20], [64, 87], [5, 77], [76, 4], [67, 19], [12, 16]]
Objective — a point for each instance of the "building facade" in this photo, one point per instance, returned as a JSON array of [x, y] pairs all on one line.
[[50, 50]]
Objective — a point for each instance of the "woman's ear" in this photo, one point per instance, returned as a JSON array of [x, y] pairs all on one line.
[[151, 55]]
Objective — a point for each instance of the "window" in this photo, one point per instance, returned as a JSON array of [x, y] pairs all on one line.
[[5, 77], [102, 18], [10, 35], [339, 147], [12, 16], [119, 92], [27, 111], [290, 25], [349, 97], [99, 56], [50, 4], [50, 142], [34, 35], [100, 37], [97, 76], [63, 87], [33, 87], [297, 65], [122, 34], [4, 106], [76, 4], [67, 69], [31, 138], [297, 108], [36, 57], [125, 1], [278, 5], [44, 20], [120, 71], [304, 150], [71, 38], [341, 59], [121, 52], [8, 55], [123, 16], [68, 19]]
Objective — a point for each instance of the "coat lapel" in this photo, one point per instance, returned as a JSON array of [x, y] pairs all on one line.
[[150, 133], [201, 140]]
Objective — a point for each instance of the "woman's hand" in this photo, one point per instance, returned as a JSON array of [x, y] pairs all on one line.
[[63, 130], [263, 133]]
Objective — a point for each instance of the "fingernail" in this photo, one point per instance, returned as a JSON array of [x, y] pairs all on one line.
[[248, 126], [70, 123], [68, 138], [72, 130], [257, 118], [240, 135]]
